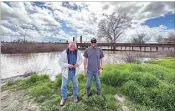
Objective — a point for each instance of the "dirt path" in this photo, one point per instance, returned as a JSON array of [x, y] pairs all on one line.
[[17, 101]]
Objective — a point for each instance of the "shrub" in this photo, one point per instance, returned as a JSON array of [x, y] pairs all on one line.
[[106, 89], [114, 78], [136, 92], [171, 78], [111, 102], [44, 78], [58, 81], [149, 68], [82, 90], [137, 68], [41, 90], [164, 97], [81, 78], [33, 79], [168, 63], [160, 74], [96, 101], [145, 79]]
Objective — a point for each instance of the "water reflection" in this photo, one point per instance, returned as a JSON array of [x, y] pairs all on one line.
[[47, 63]]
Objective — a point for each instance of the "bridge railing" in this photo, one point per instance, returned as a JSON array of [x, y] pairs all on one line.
[[130, 44]]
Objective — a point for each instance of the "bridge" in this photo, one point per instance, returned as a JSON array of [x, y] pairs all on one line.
[[149, 47]]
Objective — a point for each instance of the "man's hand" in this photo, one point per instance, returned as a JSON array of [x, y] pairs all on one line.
[[100, 71], [70, 66], [76, 65]]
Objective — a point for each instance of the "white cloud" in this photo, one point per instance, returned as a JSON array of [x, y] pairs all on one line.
[[24, 14], [16, 12], [6, 11], [5, 30], [140, 11], [44, 19], [151, 33], [84, 20]]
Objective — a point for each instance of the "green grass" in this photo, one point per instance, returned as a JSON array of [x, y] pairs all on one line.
[[151, 85], [146, 87]]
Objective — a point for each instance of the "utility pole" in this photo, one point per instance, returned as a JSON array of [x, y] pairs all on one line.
[[2, 37], [24, 36], [11, 38], [81, 39], [76, 36]]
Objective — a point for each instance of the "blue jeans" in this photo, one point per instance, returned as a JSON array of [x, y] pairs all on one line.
[[90, 75], [65, 82]]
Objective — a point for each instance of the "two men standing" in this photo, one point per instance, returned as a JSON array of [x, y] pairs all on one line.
[[70, 60]]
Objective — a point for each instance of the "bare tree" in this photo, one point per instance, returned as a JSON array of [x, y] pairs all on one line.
[[159, 39], [171, 37], [140, 38], [113, 26]]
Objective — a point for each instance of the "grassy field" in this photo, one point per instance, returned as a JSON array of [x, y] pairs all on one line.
[[146, 87]]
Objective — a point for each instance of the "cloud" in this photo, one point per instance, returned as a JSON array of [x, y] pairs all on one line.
[[23, 12], [140, 11], [6, 11], [24, 18], [49, 19], [79, 21], [105, 7], [5, 30], [151, 33], [45, 19], [16, 11]]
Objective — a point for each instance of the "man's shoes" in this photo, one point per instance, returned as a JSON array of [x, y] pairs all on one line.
[[88, 92], [98, 91], [62, 102], [75, 100]]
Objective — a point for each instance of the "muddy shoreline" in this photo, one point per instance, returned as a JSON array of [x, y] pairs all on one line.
[[14, 78]]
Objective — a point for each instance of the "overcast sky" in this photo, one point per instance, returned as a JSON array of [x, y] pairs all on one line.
[[52, 21]]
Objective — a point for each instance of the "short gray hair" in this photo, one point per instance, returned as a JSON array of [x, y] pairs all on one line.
[[73, 43]]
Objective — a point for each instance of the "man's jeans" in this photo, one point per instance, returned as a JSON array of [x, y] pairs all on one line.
[[65, 82], [89, 79]]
